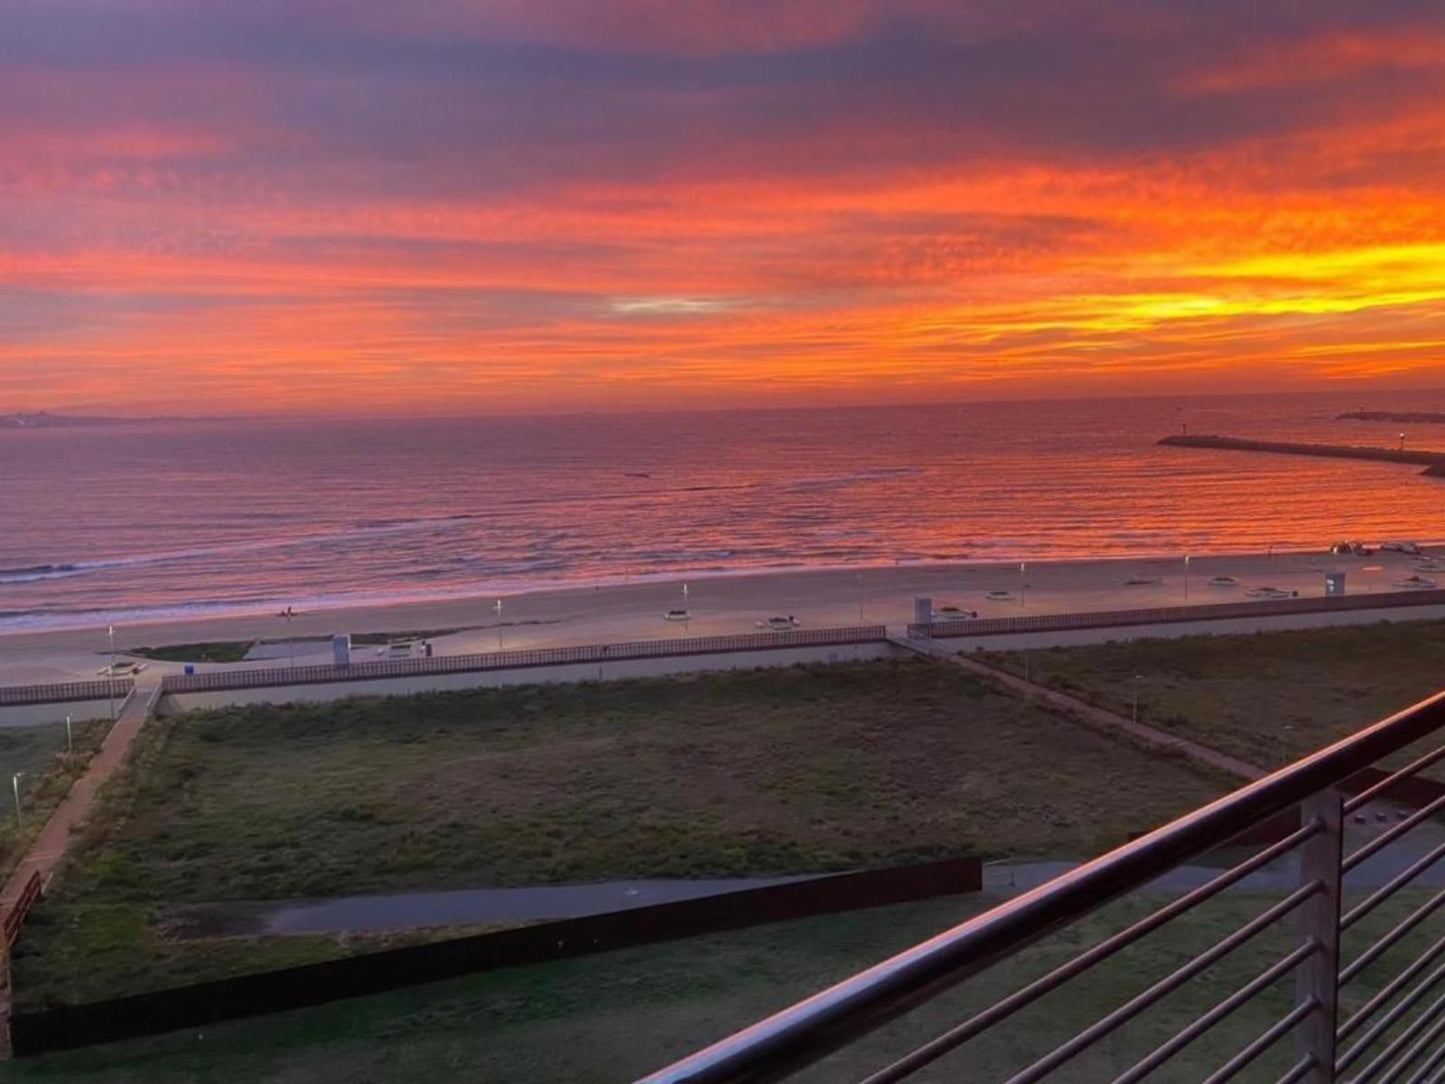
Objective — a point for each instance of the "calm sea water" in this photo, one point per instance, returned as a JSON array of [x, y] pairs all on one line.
[[173, 519]]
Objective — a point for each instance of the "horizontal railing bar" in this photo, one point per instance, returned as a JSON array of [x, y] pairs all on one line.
[[1019, 999], [1273, 1034], [1171, 982], [1399, 1043], [985, 626], [1192, 1031], [1302, 1068], [772, 1048], [1364, 959], [1370, 1007], [1382, 1025], [1369, 793], [590, 654], [1393, 833], [1433, 1062], [1385, 891]]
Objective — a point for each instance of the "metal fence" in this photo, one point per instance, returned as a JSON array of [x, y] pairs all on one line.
[[1164, 615], [118, 688], [1380, 1042], [513, 660]]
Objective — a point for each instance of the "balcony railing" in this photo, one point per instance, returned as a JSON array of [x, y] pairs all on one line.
[[1388, 1039]]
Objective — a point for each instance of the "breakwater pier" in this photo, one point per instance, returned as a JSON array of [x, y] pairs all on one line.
[[1433, 461]]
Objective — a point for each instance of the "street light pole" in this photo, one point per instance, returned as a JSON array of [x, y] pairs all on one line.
[[686, 614], [69, 744], [15, 783], [110, 677], [860, 598], [499, 624], [1023, 587], [1186, 575], [1137, 678]]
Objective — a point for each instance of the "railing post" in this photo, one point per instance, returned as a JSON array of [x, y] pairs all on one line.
[[1319, 918]]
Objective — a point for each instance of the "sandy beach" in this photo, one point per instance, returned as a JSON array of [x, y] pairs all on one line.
[[730, 604]]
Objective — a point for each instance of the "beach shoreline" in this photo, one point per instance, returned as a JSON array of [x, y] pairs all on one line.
[[726, 604]]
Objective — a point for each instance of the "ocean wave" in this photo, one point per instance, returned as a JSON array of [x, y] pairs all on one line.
[[851, 478], [32, 573]]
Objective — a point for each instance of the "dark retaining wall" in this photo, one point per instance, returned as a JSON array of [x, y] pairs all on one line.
[[272, 991]]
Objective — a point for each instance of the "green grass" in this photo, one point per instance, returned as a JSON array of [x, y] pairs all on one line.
[[236, 650], [214, 651], [773, 771], [618, 1015], [768, 772], [1267, 698], [40, 753]]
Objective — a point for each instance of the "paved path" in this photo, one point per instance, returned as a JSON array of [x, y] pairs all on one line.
[[48, 849], [1088, 712]]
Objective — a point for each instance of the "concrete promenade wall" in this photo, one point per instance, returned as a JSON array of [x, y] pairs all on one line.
[[12, 715], [1018, 641], [612, 670]]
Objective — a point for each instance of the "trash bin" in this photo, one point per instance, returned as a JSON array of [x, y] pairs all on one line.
[[190, 669]]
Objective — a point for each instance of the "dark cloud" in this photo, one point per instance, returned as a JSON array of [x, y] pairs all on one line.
[[355, 110]]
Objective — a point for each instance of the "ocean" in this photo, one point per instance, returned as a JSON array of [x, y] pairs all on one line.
[[190, 518]]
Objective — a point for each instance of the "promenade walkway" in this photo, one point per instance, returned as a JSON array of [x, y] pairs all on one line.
[[1062, 702]]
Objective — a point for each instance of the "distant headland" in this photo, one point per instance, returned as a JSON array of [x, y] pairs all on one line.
[[44, 420], [1416, 417]]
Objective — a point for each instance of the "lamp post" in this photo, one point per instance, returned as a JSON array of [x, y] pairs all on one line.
[[1023, 587], [499, 624], [15, 783], [69, 743], [110, 676], [686, 614], [1137, 679], [1186, 575], [1402, 442], [860, 598]]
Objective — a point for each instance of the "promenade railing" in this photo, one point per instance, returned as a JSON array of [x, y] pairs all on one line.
[[511, 660], [1164, 615], [1389, 1037], [65, 692]]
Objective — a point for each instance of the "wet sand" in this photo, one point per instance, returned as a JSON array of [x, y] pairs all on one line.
[[728, 604]]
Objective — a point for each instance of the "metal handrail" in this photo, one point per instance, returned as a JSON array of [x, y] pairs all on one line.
[[772, 1048], [65, 692], [1167, 615], [217, 680]]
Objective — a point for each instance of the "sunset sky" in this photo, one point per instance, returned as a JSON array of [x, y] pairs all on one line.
[[523, 205]]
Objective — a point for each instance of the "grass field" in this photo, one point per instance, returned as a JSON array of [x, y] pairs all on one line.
[[1267, 698], [39, 752], [613, 1017], [773, 771]]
